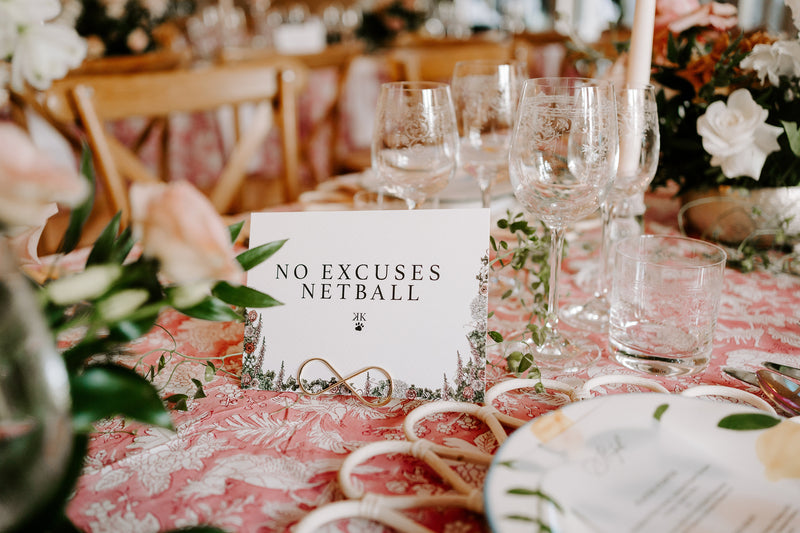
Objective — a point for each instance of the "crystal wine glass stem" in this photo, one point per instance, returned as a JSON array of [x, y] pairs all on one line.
[[556, 251], [486, 187], [606, 210], [486, 196]]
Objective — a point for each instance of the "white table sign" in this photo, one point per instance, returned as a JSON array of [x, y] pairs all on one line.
[[392, 303]]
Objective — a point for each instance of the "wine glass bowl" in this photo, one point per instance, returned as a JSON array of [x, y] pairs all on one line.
[[562, 158], [639, 144], [637, 122], [415, 141], [485, 95], [559, 169]]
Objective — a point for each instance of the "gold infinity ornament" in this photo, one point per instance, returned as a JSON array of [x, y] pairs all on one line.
[[344, 381]]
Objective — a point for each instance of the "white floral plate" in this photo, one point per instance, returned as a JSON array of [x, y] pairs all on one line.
[[647, 462]]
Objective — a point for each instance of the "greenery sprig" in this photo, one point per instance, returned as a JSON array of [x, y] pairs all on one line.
[[526, 253], [114, 300]]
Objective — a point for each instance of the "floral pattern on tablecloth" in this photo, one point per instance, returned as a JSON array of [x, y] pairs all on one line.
[[259, 461]]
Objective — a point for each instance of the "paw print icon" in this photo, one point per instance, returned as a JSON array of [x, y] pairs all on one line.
[[359, 326]]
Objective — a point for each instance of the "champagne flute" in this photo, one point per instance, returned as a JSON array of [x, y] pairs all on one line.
[[562, 158], [485, 95], [639, 144], [415, 141]]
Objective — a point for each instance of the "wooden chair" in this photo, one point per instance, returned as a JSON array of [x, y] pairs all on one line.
[[336, 57], [101, 98], [435, 59]]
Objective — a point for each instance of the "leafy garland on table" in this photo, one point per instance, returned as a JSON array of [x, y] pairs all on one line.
[[100, 388], [529, 252]]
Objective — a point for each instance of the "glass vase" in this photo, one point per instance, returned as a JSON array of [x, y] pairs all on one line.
[[35, 430]]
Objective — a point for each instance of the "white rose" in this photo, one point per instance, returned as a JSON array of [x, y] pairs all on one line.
[[45, 53], [8, 34], [25, 12], [781, 58], [737, 135]]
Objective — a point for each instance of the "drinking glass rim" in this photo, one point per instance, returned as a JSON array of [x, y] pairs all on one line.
[[552, 81], [634, 86], [489, 61], [415, 85], [715, 254]]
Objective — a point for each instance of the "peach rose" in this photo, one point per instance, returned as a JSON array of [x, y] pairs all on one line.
[[25, 243], [178, 226], [716, 15], [670, 10], [30, 182]]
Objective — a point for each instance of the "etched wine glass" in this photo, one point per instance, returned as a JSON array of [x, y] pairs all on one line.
[[415, 140], [485, 95], [562, 158], [639, 145]]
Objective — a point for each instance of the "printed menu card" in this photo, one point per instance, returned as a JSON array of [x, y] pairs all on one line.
[[377, 304]]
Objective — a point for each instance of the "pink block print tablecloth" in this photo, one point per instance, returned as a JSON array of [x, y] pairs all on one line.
[[258, 461]]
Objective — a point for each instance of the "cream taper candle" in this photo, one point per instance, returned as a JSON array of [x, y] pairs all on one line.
[[641, 47]]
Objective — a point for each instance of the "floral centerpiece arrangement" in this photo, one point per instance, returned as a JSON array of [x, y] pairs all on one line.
[[177, 254], [63, 329], [729, 105], [728, 101], [123, 27], [34, 50]]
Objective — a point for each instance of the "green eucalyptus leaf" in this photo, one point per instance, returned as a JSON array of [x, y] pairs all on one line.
[[522, 491], [521, 518], [77, 354], [495, 336], [235, 230], [212, 309], [101, 391], [259, 254], [748, 421], [133, 329], [122, 246], [173, 398], [199, 393], [104, 245], [243, 296], [178, 402], [79, 214], [660, 410], [210, 371], [793, 135], [518, 362]]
